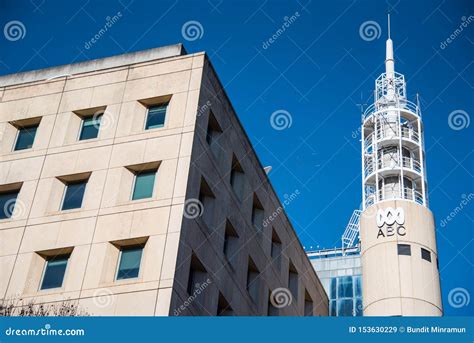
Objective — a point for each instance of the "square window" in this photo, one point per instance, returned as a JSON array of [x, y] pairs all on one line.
[[425, 254], [308, 304], [258, 214], [53, 275], [237, 181], [26, 137], [345, 307], [293, 282], [74, 194], [90, 127], [231, 245], [344, 287], [404, 249], [129, 262], [7, 203], [156, 116], [144, 184], [213, 134], [253, 281]]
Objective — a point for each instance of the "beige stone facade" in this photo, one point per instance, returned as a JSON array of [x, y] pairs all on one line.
[[123, 88], [399, 261]]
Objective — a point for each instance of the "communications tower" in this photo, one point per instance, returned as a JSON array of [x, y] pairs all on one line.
[[397, 231]]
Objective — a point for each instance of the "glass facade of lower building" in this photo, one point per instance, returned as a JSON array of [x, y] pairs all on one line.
[[341, 276]]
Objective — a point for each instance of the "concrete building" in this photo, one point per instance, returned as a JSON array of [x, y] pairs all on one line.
[[397, 233], [129, 186]]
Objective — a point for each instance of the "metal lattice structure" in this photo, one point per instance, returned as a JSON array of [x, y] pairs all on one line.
[[351, 233], [393, 156]]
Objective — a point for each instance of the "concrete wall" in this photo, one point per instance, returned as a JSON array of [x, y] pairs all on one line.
[[396, 284], [107, 215], [206, 242]]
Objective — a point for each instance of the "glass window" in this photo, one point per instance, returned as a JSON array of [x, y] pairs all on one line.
[[293, 284], [231, 247], [54, 271], [90, 127], [26, 137], [73, 195], [237, 181], [129, 265], [144, 183], [357, 286], [276, 253], [404, 249], [344, 289], [257, 218], [7, 203], [332, 308], [253, 282], [156, 116], [344, 307], [425, 254], [333, 294], [358, 307], [212, 138]]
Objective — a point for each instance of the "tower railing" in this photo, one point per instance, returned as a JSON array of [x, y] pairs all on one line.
[[407, 194], [404, 105]]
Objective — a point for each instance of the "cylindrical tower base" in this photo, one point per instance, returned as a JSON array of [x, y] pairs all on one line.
[[399, 260]]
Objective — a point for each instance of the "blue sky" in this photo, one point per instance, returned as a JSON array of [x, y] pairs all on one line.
[[319, 71]]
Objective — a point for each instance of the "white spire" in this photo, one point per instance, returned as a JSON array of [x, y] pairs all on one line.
[[389, 61]]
